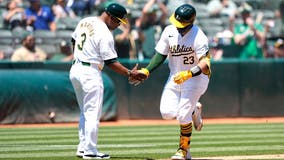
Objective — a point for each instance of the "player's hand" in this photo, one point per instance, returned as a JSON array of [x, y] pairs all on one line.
[[182, 76], [138, 76], [145, 72]]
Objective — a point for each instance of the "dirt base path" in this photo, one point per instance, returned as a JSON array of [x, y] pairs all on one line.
[[276, 156]]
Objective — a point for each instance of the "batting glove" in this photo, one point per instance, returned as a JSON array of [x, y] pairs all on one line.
[[144, 71], [142, 75], [182, 76]]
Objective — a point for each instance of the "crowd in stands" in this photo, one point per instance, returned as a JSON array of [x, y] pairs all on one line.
[[39, 30]]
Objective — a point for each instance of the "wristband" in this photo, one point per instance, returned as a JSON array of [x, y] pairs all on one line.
[[195, 71], [128, 72]]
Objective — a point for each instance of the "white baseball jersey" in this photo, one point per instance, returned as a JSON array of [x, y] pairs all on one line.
[[183, 51], [94, 41], [179, 101]]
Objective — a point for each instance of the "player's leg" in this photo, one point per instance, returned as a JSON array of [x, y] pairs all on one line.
[[186, 106], [197, 117], [184, 142], [74, 77], [188, 100], [168, 103], [93, 101]]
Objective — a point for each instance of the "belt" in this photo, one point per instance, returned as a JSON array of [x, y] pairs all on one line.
[[83, 63], [100, 67]]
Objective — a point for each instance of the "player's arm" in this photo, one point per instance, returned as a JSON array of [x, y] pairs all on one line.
[[155, 62], [116, 66], [203, 66]]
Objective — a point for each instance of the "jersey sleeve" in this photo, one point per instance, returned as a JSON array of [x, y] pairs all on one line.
[[162, 46], [201, 45], [107, 50]]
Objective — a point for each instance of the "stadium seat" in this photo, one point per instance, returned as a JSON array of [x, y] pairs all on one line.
[[6, 37], [49, 49], [64, 35], [18, 35], [8, 51], [45, 37], [70, 23]]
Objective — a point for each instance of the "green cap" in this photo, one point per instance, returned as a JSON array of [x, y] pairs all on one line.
[[184, 15], [117, 11]]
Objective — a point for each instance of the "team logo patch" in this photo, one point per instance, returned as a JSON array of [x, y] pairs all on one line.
[[179, 50]]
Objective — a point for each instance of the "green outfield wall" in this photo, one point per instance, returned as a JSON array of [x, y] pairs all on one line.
[[29, 91]]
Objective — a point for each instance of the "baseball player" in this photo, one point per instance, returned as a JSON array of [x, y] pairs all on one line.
[[93, 46], [186, 47]]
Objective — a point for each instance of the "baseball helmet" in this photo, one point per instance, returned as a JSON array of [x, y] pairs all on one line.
[[117, 11], [184, 15]]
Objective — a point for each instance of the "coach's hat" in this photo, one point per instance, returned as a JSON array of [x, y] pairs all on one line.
[[184, 15], [117, 11]]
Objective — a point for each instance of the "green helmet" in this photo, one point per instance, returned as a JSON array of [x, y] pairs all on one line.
[[184, 15], [118, 11]]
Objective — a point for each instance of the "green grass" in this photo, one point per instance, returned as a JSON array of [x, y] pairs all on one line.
[[143, 142]]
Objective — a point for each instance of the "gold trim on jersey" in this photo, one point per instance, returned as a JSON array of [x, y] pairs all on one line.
[[207, 59]]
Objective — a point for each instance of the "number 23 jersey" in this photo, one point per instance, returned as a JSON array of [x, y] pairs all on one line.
[[185, 51]]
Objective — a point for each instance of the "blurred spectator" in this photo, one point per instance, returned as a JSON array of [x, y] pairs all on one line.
[[40, 17], [81, 7], [2, 55], [279, 48], [60, 10], [149, 26], [66, 53], [217, 44], [20, 3], [218, 8], [28, 51], [14, 16], [280, 14], [6, 52], [249, 35], [223, 9]]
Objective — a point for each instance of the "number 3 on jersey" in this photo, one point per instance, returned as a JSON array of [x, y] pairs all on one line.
[[188, 60], [82, 41]]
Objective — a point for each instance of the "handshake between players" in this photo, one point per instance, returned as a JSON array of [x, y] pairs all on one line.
[[138, 76]]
